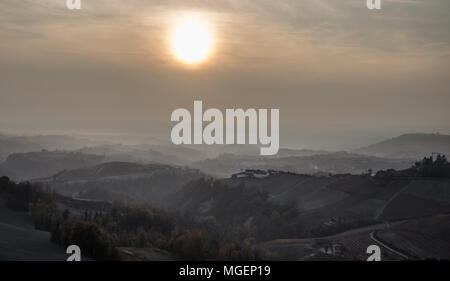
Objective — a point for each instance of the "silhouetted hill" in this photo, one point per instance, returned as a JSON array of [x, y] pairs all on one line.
[[31, 165], [112, 169], [409, 146], [302, 162], [20, 144], [8, 146], [146, 153]]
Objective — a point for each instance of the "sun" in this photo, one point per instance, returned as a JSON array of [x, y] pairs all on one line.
[[191, 40]]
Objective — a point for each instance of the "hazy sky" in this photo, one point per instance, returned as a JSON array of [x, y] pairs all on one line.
[[331, 67]]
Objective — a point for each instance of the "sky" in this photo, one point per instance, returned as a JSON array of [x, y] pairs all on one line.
[[340, 74]]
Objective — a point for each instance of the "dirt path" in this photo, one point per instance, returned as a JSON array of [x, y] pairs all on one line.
[[337, 235], [381, 210]]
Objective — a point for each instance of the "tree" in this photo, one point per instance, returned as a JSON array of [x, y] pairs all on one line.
[[91, 239]]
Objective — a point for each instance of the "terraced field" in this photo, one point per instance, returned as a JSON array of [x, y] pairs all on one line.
[[409, 218]]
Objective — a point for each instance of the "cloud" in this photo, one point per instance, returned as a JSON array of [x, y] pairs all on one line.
[[335, 59]]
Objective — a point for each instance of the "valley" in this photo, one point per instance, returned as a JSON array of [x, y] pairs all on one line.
[[298, 205]]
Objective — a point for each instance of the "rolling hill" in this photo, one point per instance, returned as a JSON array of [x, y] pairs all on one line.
[[147, 153], [325, 204], [306, 162], [32, 165], [133, 182], [21, 144], [409, 146]]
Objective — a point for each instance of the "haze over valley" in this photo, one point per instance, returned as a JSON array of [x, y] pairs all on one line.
[[296, 205], [94, 99]]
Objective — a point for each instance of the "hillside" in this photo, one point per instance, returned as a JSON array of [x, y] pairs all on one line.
[[409, 146], [134, 182], [106, 231], [279, 215], [325, 204], [421, 238], [20, 241], [414, 239], [420, 197]]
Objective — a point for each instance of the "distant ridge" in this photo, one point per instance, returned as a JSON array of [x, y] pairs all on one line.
[[409, 146]]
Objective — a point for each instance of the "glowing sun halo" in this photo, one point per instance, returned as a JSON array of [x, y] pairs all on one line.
[[191, 40]]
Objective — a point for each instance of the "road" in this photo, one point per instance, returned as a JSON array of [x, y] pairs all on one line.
[[373, 238]]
